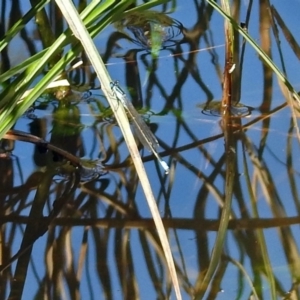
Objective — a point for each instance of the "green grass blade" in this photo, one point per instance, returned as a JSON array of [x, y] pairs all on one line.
[[266, 59], [20, 24]]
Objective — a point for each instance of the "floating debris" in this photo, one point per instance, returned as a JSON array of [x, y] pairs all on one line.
[[151, 30], [214, 108], [91, 170]]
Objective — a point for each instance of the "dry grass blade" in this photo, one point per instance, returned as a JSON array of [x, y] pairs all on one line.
[[263, 176], [260, 234], [295, 47], [230, 153], [287, 33], [70, 13]]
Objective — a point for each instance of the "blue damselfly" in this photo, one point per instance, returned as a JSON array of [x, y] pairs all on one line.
[[144, 133]]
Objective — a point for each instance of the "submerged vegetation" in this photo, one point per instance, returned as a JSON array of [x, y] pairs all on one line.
[[151, 30]]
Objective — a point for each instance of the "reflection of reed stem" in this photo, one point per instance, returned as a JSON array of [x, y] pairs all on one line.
[[174, 223], [26, 137], [45, 33], [230, 156], [31, 234]]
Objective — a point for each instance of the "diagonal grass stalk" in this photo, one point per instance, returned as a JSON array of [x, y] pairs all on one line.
[[266, 59], [70, 13]]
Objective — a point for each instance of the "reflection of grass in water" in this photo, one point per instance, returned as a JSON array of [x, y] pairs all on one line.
[[118, 206], [223, 109], [38, 90]]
